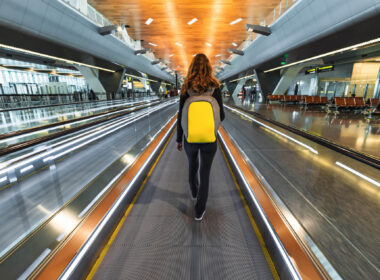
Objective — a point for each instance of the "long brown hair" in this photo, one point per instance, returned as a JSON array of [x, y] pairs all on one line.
[[199, 77]]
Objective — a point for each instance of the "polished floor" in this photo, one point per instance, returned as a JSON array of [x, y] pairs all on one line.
[[337, 208], [347, 129]]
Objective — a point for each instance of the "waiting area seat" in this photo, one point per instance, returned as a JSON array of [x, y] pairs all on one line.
[[316, 100], [273, 97], [373, 102], [337, 104], [349, 103], [374, 109]]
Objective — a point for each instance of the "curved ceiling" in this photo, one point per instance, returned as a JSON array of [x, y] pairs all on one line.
[[171, 37]]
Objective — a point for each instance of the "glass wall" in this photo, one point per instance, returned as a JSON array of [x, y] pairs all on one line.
[[18, 77]]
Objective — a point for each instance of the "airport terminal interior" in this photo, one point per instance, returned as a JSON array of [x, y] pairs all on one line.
[[94, 186]]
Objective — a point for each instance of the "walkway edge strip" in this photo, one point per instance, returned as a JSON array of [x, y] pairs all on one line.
[[284, 247], [118, 227], [252, 220], [70, 255]]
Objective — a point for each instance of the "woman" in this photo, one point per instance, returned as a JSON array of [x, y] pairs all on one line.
[[199, 81]]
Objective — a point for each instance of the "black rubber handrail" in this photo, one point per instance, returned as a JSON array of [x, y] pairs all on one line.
[[362, 157]]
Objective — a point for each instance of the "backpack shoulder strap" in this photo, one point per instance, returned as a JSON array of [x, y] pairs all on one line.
[[209, 92]]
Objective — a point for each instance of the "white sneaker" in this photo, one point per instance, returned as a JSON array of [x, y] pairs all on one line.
[[201, 217]]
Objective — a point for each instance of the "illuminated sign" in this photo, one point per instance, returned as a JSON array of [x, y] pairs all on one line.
[[326, 68], [311, 71], [319, 69]]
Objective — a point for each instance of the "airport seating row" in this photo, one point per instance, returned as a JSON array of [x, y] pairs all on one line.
[[349, 103], [299, 99], [336, 104], [316, 100]]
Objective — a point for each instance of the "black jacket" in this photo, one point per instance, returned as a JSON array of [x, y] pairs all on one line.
[[217, 95]]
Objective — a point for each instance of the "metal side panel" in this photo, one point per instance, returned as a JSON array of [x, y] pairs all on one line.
[[275, 247], [84, 259]]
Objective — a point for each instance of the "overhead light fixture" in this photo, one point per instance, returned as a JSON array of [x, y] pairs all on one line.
[[208, 44], [370, 42], [107, 30], [218, 55], [179, 44], [194, 54], [142, 51], [225, 62], [234, 44], [263, 30], [149, 21], [192, 21], [154, 45], [154, 62], [236, 21], [238, 52], [170, 55]]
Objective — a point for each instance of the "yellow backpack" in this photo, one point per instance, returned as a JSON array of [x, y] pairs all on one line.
[[200, 117]]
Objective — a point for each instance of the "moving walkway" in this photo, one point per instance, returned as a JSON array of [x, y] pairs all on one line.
[[268, 216], [148, 230]]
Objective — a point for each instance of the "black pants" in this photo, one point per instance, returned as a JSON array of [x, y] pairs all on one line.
[[200, 187]]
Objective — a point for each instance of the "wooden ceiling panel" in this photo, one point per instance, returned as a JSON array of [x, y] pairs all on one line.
[[169, 26]]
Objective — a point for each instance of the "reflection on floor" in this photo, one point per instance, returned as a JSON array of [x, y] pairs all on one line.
[[348, 129]]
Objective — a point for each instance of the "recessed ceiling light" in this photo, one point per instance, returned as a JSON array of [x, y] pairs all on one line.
[[154, 45], [234, 44], [236, 21], [171, 55], [192, 21], [208, 44], [194, 54], [218, 55], [148, 21], [179, 44]]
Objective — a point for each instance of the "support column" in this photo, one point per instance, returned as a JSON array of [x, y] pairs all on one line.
[[92, 78], [376, 91], [267, 82], [112, 82], [231, 86], [155, 86], [287, 77], [239, 87]]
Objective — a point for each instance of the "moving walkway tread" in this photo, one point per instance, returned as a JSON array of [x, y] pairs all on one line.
[[160, 239]]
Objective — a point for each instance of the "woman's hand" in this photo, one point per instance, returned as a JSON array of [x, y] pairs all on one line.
[[179, 146]]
